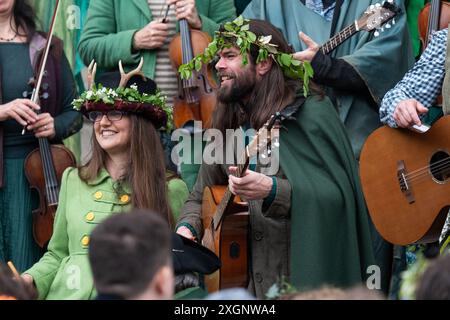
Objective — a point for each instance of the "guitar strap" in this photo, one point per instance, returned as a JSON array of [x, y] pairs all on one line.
[[446, 83]]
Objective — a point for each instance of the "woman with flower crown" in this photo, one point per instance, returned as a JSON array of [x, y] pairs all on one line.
[[126, 170]]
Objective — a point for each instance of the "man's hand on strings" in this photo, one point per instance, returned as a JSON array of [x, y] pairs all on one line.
[[308, 54], [407, 113], [251, 186]]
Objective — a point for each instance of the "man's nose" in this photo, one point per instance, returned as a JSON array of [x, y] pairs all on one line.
[[220, 64]]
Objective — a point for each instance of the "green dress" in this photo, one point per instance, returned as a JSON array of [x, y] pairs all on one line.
[[64, 271], [16, 198]]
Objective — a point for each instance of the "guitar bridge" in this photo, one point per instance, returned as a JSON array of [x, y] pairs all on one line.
[[403, 181]]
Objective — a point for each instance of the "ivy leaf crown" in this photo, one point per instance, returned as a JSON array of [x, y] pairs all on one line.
[[239, 30]]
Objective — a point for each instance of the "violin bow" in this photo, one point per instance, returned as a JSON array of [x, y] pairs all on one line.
[[35, 94]]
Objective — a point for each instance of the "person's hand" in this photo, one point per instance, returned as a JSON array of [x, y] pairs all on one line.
[[186, 9], [28, 279], [21, 110], [151, 36], [308, 54], [251, 186], [407, 113], [185, 232], [44, 127]]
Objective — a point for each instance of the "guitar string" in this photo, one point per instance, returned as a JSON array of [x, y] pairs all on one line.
[[420, 171], [436, 170]]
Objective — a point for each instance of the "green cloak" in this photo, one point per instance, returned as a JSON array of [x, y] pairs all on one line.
[[330, 237], [380, 61]]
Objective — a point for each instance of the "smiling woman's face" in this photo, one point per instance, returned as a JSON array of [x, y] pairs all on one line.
[[113, 136]]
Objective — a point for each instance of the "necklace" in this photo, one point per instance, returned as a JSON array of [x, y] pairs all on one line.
[[8, 39]]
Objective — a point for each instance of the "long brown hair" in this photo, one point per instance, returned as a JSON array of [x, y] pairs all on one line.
[[25, 17], [146, 175], [271, 94]]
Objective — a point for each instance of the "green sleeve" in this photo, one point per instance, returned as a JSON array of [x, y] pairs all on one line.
[[220, 11], [70, 120], [178, 194], [100, 39], [44, 271]]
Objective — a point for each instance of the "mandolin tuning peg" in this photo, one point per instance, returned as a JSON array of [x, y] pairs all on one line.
[[376, 33], [393, 21], [388, 26]]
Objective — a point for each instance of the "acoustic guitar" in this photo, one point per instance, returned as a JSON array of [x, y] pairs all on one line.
[[405, 178], [225, 218]]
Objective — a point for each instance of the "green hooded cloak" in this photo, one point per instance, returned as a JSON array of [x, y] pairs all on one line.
[[330, 237]]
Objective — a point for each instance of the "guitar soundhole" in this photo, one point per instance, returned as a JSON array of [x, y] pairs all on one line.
[[234, 250], [440, 166]]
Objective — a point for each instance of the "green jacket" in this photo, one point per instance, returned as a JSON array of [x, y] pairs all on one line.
[[64, 271], [111, 24]]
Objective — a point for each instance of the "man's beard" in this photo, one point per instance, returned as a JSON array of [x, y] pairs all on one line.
[[241, 87]]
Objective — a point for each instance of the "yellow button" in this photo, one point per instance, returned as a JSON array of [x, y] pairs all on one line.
[[98, 195], [125, 198], [85, 241], [90, 216]]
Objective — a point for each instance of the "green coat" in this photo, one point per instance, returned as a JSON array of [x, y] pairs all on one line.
[[64, 271], [111, 24]]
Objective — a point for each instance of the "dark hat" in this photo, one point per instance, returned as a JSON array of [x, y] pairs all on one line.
[[189, 256]]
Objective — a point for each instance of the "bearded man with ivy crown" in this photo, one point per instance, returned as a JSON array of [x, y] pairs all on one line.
[[307, 220]]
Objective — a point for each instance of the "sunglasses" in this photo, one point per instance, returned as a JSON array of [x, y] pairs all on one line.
[[113, 115]]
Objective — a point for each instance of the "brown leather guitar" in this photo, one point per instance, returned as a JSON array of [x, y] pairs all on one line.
[[226, 219], [405, 177]]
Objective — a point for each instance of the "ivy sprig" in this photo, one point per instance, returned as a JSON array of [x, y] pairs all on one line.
[[239, 30]]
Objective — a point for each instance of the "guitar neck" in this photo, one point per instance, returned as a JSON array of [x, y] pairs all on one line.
[[228, 197], [339, 38]]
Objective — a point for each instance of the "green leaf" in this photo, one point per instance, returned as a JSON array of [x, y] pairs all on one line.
[[251, 36], [295, 62], [239, 21], [228, 26], [308, 69], [286, 59], [245, 27], [198, 65]]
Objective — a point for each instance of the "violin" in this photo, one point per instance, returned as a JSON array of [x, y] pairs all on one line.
[[196, 96], [434, 16], [45, 165]]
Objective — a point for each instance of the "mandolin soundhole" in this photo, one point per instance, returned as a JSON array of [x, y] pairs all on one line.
[[440, 166]]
